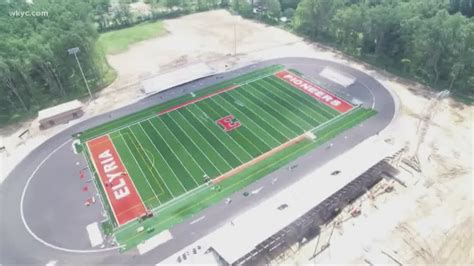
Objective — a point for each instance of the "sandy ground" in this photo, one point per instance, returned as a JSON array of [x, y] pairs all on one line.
[[429, 221]]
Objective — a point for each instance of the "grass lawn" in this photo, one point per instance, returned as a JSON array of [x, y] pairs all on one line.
[[114, 42]]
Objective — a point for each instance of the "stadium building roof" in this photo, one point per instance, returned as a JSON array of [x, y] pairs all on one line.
[[239, 237], [175, 78], [59, 110]]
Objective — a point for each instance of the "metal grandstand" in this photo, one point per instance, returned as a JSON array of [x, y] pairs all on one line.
[[266, 231], [307, 226]]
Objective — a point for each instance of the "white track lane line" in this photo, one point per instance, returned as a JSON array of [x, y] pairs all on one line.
[[26, 224], [198, 219]]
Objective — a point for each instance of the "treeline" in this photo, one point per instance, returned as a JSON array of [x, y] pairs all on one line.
[[112, 16], [36, 70], [431, 41]]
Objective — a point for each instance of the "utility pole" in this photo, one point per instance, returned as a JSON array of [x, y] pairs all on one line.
[[235, 38], [74, 51], [237, 19]]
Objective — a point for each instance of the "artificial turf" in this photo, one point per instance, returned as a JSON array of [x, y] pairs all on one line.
[[172, 156]]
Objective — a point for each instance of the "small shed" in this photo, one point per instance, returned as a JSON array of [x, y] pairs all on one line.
[[60, 114]]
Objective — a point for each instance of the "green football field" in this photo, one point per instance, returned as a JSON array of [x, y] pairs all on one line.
[[172, 160]]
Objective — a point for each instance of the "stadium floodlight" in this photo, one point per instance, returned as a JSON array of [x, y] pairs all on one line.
[[74, 51], [237, 20]]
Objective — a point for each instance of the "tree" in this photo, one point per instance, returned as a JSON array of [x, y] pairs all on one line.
[[312, 17], [289, 13], [35, 68], [101, 10], [465, 7], [420, 38], [349, 27], [224, 3], [272, 7], [121, 15], [173, 3], [285, 4], [7, 78], [242, 7]]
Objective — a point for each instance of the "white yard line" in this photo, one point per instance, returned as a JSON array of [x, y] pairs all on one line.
[[198, 147], [292, 101], [112, 131], [313, 101], [268, 114], [279, 104], [314, 83], [225, 109], [172, 150], [251, 120], [184, 147], [155, 114], [139, 167], [199, 120], [230, 137], [163, 158], [172, 202], [257, 78], [335, 118], [183, 196], [251, 142], [197, 131], [254, 103]]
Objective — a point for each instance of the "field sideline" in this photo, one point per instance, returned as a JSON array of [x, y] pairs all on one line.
[[172, 160]]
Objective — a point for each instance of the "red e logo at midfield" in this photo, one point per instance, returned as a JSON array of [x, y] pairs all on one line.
[[228, 123]]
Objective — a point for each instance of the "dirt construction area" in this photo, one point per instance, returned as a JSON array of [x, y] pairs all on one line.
[[428, 220]]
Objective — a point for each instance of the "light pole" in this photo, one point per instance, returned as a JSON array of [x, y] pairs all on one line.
[[235, 39], [74, 51], [237, 19]]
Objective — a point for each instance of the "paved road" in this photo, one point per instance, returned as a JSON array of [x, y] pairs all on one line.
[[46, 188]]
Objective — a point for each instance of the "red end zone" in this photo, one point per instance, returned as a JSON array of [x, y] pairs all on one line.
[[315, 91], [119, 188]]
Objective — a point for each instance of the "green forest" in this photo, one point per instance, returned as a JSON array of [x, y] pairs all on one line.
[[36, 70], [430, 41]]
